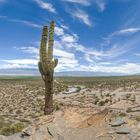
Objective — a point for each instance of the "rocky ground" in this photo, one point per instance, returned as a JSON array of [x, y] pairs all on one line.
[[107, 110]]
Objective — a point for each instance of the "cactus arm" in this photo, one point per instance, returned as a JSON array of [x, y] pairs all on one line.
[[43, 50], [40, 68], [51, 41], [56, 62]]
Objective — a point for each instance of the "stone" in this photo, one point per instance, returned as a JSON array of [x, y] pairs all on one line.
[[26, 132], [52, 130], [123, 131], [117, 122], [133, 136], [2, 137]]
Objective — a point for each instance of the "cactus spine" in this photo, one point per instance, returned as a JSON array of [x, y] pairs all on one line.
[[47, 64]]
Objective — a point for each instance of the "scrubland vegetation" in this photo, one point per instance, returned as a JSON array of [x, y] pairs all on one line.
[[22, 99]]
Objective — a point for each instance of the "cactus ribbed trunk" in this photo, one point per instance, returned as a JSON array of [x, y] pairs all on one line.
[[46, 66], [48, 97]]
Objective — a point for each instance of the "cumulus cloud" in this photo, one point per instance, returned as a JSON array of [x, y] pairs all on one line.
[[59, 31], [68, 39], [74, 56], [127, 68]]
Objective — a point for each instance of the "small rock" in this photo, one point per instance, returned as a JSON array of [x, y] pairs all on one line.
[[133, 136], [117, 122], [26, 132], [123, 131], [54, 132], [2, 137]]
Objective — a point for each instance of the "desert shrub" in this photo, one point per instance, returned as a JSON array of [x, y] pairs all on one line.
[[128, 96], [101, 103], [57, 106], [14, 128], [107, 95], [18, 111], [25, 120], [122, 114], [3, 122], [78, 89], [138, 118], [128, 110], [96, 101], [106, 100]]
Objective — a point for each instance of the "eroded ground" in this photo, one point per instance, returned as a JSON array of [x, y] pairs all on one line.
[[85, 108]]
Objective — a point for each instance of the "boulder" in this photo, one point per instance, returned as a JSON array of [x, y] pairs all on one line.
[[123, 131], [117, 122]]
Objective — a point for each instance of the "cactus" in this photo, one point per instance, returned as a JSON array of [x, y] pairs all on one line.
[[46, 65]]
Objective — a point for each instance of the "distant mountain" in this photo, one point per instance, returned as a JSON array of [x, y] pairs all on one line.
[[35, 72], [26, 72], [87, 74]]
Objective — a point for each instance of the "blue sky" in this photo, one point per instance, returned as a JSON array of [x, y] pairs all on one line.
[[90, 35]]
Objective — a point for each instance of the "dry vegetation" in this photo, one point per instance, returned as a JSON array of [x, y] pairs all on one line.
[[22, 99]]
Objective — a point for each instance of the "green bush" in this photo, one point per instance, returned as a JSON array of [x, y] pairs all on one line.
[[78, 89], [138, 118], [101, 103], [9, 130], [96, 101], [122, 114]]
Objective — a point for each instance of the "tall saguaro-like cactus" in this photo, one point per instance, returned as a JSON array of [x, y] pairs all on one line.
[[47, 64]]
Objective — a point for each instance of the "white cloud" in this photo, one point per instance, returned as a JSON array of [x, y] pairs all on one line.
[[82, 16], [28, 23], [66, 65], [105, 63], [67, 46], [59, 31], [68, 38], [66, 59], [100, 4], [35, 51], [126, 31], [3, 16], [19, 64], [127, 68], [70, 53], [29, 49], [22, 61], [88, 58], [129, 31], [137, 54], [64, 27], [63, 54], [25, 22], [16, 66], [82, 2], [122, 32], [1, 1], [46, 5]]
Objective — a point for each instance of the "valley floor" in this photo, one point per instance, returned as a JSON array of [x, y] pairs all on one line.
[[106, 108]]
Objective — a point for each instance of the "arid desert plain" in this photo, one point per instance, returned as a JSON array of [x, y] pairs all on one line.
[[85, 108]]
